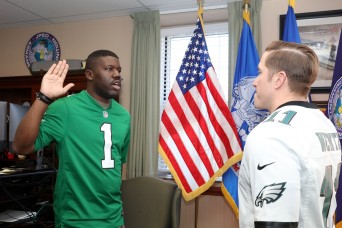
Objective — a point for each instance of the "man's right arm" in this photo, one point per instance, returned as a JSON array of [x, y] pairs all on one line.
[[28, 128], [51, 89]]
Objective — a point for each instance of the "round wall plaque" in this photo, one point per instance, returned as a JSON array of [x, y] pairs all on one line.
[[42, 47]]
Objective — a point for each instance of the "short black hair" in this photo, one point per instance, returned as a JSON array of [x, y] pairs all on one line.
[[97, 54]]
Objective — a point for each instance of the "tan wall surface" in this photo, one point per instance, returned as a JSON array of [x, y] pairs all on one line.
[[77, 40]]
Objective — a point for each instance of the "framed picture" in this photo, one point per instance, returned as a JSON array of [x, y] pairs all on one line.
[[320, 98], [320, 31]]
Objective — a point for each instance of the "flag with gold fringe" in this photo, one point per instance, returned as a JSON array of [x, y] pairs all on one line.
[[197, 139], [243, 111]]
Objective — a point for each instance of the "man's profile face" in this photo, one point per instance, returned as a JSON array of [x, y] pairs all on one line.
[[262, 85]]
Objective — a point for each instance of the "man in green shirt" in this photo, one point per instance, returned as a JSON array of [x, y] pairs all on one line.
[[92, 133]]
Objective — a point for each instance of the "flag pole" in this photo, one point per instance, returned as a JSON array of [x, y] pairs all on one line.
[[199, 13]]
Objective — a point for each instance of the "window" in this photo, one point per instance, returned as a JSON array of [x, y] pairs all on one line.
[[174, 42]]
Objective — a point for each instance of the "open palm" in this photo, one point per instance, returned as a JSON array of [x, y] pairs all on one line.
[[53, 80]]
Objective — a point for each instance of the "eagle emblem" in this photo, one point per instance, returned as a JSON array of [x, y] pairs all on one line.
[[270, 193]]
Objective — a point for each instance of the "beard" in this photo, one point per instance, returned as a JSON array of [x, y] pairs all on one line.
[[106, 93]]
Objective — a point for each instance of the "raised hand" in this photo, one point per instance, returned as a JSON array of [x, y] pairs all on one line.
[[52, 83]]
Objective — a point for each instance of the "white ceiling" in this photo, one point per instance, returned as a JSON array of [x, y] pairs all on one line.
[[24, 13]]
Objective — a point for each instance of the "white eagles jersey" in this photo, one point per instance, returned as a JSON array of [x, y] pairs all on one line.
[[289, 171]]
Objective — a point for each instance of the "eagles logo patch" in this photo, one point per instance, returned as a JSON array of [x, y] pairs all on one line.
[[270, 194]]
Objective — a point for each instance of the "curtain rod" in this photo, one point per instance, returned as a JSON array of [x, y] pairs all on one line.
[[193, 9]]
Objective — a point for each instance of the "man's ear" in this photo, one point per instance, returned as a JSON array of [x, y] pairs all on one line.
[[280, 78], [89, 74]]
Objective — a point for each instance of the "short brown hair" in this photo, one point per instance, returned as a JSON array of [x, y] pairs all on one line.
[[299, 62]]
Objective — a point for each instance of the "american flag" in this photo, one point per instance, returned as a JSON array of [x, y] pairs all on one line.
[[197, 132]]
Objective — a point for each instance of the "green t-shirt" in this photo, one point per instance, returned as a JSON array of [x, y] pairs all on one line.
[[91, 144]]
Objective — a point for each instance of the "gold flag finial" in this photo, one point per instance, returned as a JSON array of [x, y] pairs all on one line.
[[200, 12], [246, 14], [245, 5], [292, 3]]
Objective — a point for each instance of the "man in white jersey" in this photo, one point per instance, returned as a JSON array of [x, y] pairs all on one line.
[[291, 160]]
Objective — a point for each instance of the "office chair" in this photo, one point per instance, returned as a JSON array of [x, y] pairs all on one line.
[[150, 202]]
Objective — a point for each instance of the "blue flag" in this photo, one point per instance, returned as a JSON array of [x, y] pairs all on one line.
[[245, 115], [334, 112], [290, 33]]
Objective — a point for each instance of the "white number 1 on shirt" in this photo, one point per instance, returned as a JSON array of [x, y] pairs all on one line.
[[107, 162]]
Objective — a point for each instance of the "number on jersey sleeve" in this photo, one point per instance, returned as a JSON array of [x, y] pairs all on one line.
[[327, 189], [285, 120]]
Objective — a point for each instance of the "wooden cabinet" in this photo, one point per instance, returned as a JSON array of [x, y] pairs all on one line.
[[19, 89], [29, 187], [22, 89]]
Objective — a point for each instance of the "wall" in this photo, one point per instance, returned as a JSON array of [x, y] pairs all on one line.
[[78, 39]]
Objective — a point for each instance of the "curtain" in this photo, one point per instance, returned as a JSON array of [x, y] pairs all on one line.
[[145, 88], [234, 29]]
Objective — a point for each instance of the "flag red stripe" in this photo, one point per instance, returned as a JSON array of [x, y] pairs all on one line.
[[189, 130], [204, 126], [225, 111], [182, 149], [175, 165], [217, 126]]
